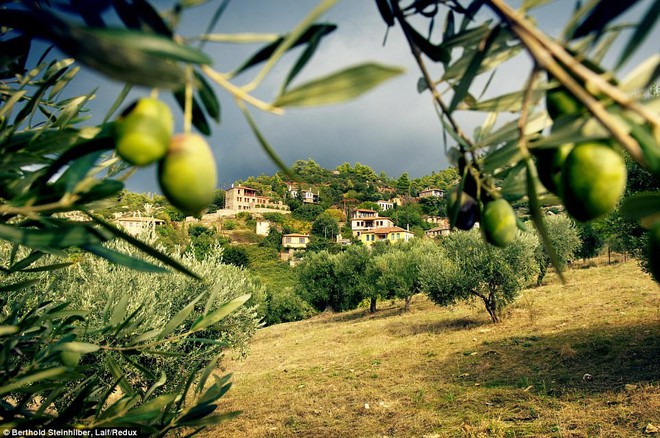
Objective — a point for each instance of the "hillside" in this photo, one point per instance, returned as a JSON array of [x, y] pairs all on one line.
[[439, 372], [358, 183]]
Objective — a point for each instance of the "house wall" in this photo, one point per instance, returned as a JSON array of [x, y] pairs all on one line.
[[295, 242]]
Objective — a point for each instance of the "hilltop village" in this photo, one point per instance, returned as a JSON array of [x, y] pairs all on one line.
[[310, 208]]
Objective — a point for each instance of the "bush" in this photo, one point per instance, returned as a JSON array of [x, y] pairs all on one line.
[[236, 255], [277, 218], [98, 287], [287, 306], [229, 225], [202, 239], [156, 330], [244, 215], [307, 212]]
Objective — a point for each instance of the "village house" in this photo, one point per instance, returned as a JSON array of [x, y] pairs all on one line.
[[437, 231], [295, 241], [386, 234], [366, 220], [428, 193], [137, 224], [308, 196], [240, 198], [440, 221], [385, 205]]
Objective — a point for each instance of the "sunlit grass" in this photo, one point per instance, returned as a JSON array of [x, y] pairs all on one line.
[[439, 372]]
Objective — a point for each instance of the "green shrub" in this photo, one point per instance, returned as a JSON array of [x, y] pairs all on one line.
[[236, 255], [244, 215], [141, 337], [307, 212], [100, 289], [277, 218], [287, 306]]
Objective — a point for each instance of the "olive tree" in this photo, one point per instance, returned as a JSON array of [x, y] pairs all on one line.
[[400, 270], [357, 277], [318, 281], [325, 226], [575, 116], [466, 267], [339, 282], [57, 166], [591, 241], [565, 239]]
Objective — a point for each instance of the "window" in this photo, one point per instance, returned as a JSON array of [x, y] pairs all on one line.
[[301, 240], [288, 240]]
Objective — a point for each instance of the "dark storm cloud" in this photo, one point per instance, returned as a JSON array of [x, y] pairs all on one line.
[[392, 128]]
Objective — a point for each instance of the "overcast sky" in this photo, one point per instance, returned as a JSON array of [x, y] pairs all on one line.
[[393, 128]]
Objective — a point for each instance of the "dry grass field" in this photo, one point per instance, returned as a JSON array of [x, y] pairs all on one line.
[[574, 360]]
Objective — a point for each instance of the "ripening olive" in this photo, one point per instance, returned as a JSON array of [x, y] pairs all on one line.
[[499, 222], [143, 131], [465, 212], [187, 175], [593, 180]]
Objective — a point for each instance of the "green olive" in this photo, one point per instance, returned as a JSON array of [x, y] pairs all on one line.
[[499, 222], [70, 358], [143, 131], [593, 180], [187, 175], [549, 163], [559, 102]]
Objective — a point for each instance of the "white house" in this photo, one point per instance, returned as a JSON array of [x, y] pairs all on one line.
[[385, 205], [432, 193], [136, 225]]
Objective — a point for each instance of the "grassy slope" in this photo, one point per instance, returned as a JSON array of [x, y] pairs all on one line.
[[439, 372]]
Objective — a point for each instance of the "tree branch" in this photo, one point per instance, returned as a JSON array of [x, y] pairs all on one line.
[[544, 51]]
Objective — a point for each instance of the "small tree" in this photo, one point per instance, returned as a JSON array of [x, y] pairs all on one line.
[[317, 279], [466, 267], [400, 270], [565, 240], [235, 255], [357, 277], [325, 226], [307, 212], [591, 241], [273, 239], [403, 184]]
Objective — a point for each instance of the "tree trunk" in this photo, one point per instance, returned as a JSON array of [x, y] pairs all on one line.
[[491, 307], [406, 306], [372, 306]]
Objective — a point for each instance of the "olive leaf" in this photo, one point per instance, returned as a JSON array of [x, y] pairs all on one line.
[[339, 86], [315, 31]]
